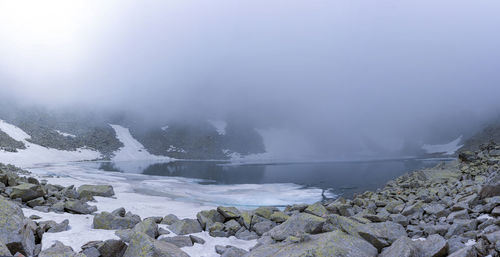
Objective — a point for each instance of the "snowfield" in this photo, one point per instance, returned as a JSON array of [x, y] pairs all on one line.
[[34, 153], [448, 149]]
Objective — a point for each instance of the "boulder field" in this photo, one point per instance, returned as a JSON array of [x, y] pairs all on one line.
[[452, 209]]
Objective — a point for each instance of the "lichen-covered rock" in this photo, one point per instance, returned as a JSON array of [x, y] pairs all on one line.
[[112, 248], [106, 220], [316, 209], [141, 245], [148, 227], [169, 219], [186, 226], [333, 244], [402, 247], [297, 224], [265, 212], [179, 241], [229, 212], [279, 217], [347, 225], [381, 234], [79, 207], [246, 219], [58, 249], [27, 191], [88, 191], [207, 218], [13, 232]]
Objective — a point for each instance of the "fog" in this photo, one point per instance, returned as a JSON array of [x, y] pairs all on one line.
[[342, 76]]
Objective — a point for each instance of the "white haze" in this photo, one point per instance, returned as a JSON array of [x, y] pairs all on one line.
[[344, 75]]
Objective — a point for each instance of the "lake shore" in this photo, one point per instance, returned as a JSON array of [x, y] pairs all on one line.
[[450, 209]]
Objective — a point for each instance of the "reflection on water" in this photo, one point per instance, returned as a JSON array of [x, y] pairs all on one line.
[[343, 178]]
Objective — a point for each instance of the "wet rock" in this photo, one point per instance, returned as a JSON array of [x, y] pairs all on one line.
[[381, 234], [106, 220], [297, 224], [186, 226], [143, 245], [89, 191], [27, 192], [335, 244]]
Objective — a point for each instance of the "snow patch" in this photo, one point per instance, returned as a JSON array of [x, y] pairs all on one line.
[[132, 150], [220, 126], [449, 148], [471, 242], [164, 128], [175, 149], [64, 134], [484, 217], [35, 154]]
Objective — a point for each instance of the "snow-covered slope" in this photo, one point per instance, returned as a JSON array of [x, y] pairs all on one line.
[[34, 153], [448, 149], [132, 150], [219, 125]]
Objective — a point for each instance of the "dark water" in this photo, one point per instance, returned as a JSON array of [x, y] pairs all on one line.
[[342, 178]]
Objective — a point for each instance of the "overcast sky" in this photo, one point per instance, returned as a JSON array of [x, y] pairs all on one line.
[[344, 71]]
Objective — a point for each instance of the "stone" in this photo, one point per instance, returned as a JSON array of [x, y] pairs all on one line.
[[433, 246], [124, 234], [316, 209], [467, 156], [467, 251], [381, 234], [58, 249], [36, 202], [434, 209], [169, 219], [229, 212], [79, 207], [112, 248], [244, 234], [106, 220], [89, 191], [27, 192], [119, 212], [461, 226], [263, 227], [4, 251], [144, 246], [217, 230], [197, 240], [265, 212], [231, 227], [179, 241], [496, 211], [59, 227], [207, 218], [91, 252], [246, 219], [186, 226], [232, 251], [347, 225], [13, 232], [463, 214], [402, 247], [298, 223], [493, 237], [148, 227], [279, 217], [333, 244]]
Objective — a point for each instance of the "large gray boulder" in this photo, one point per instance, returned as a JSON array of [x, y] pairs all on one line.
[[402, 247], [207, 218], [144, 246], [297, 224], [333, 244], [381, 234], [148, 227], [27, 192], [13, 232], [88, 191], [58, 249], [79, 207], [345, 224], [106, 220], [185, 226], [433, 246], [229, 212]]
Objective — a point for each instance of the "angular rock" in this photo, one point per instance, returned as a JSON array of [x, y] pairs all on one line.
[[27, 192], [280, 217], [169, 219], [316, 209], [402, 247], [333, 244], [179, 241], [89, 191], [381, 234], [186, 226], [468, 251], [207, 218], [112, 248], [144, 246], [197, 240], [148, 227], [263, 227], [4, 250], [106, 220], [13, 232], [297, 224], [229, 212], [79, 207], [265, 212], [433, 246], [58, 249]]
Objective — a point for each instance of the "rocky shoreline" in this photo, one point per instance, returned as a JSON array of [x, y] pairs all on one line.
[[452, 209]]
